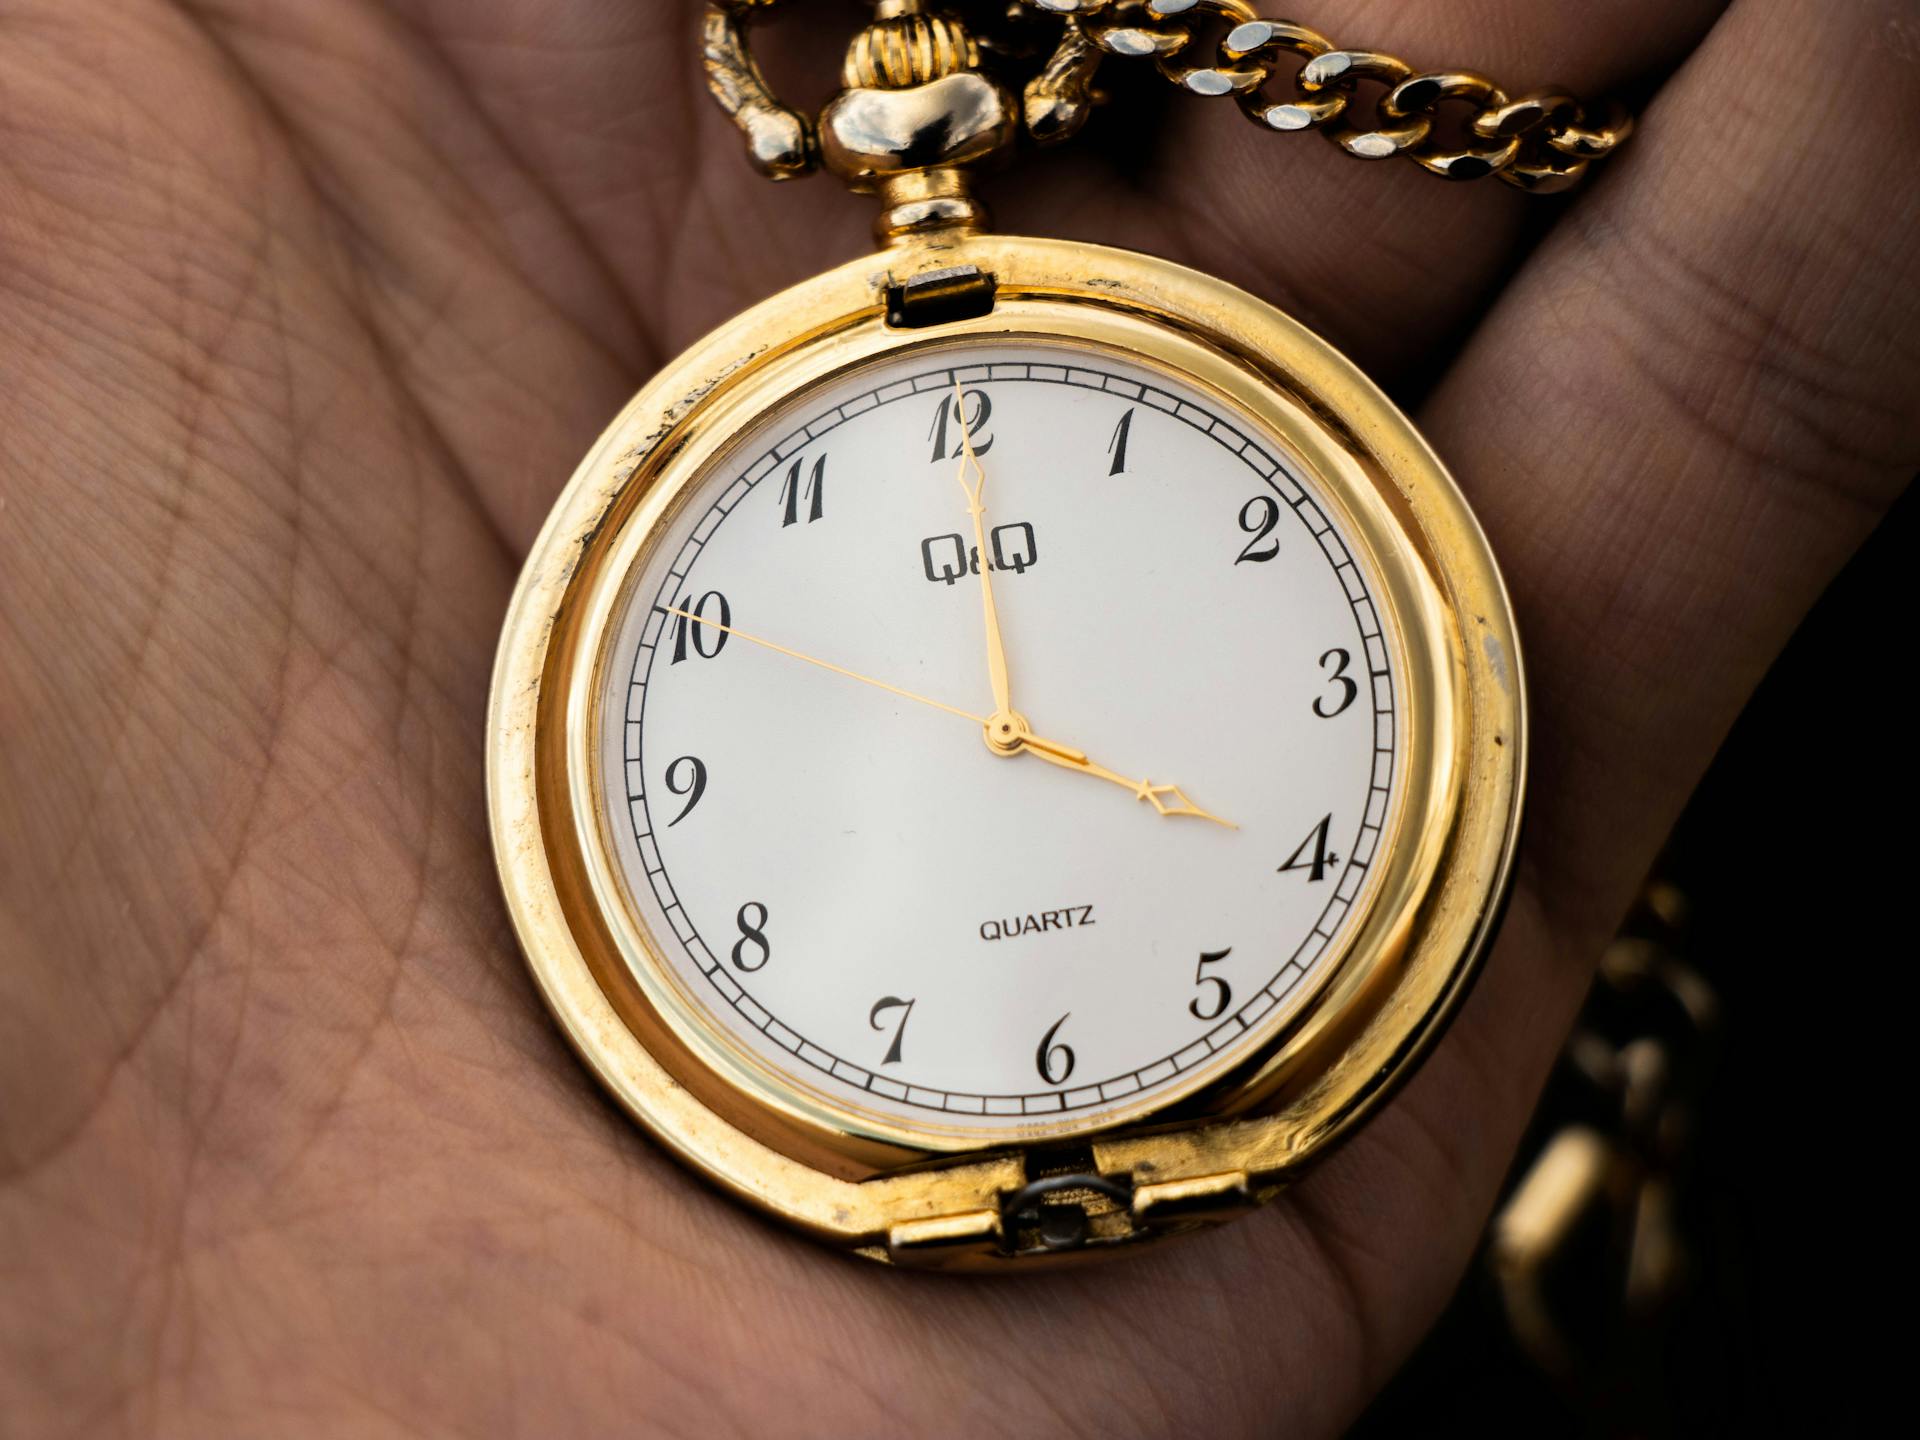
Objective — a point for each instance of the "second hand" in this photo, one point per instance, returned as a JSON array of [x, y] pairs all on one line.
[[979, 720]]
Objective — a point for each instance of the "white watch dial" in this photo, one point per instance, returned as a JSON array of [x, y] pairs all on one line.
[[851, 882]]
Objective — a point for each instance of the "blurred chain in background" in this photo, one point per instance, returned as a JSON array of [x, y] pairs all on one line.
[[1694, 1240], [1589, 1253], [1592, 1263]]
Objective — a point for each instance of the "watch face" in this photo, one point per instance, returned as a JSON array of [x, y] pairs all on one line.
[[901, 898]]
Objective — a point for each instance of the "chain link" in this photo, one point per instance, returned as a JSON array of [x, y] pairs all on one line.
[[1542, 141], [1283, 76]]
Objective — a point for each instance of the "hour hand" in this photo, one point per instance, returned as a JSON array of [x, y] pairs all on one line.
[[1167, 800]]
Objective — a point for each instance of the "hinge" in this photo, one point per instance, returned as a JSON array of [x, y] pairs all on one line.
[[943, 1239], [1067, 1212], [939, 297], [1069, 1206], [1201, 1200]]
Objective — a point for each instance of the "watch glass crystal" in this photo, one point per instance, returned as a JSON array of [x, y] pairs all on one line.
[[997, 900]]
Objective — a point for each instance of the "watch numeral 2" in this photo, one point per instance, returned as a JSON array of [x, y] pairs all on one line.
[[1259, 517]]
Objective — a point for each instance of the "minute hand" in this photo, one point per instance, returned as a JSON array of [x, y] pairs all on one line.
[[976, 508], [1165, 799]]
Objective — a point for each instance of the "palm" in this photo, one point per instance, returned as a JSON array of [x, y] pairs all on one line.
[[309, 311]]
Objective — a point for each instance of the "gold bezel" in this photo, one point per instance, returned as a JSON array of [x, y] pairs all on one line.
[[1337, 1051]]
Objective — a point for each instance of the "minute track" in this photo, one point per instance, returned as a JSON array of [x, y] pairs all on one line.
[[1256, 1001]]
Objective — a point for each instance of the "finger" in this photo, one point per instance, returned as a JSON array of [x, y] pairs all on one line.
[[570, 151], [1385, 259], [605, 102], [1692, 407], [1676, 427]]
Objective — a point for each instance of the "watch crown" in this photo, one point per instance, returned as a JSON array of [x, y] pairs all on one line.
[[899, 52]]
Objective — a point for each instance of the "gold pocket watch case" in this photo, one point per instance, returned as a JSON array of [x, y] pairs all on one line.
[[835, 1146]]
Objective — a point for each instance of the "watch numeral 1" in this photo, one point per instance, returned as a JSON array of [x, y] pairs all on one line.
[[1222, 993], [1117, 447], [1258, 517], [1055, 1062], [706, 641], [1320, 861], [814, 491], [891, 1002], [693, 787], [753, 938]]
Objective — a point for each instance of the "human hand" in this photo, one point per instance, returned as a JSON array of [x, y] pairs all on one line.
[[306, 312]]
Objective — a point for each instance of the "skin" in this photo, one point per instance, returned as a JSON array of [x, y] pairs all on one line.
[[308, 312]]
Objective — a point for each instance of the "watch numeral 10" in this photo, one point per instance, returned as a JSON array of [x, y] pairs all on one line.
[[704, 640]]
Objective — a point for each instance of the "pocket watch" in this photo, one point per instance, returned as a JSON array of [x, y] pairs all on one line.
[[1011, 748]]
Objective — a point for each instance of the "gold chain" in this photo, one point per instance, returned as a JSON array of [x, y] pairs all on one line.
[[1283, 76], [1541, 141]]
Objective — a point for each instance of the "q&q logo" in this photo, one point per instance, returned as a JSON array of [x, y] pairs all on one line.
[[948, 558]]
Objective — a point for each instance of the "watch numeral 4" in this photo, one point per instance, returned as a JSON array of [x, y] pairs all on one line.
[[1313, 856]]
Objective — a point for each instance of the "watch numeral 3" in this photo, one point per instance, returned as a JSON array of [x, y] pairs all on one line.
[[1349, 687]]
